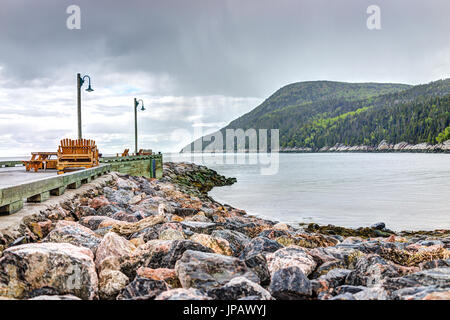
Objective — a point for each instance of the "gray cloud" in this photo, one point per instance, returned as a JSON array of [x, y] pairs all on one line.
[[198, 62]]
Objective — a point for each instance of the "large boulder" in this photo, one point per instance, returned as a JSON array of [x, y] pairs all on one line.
[[208, 270], [218, 245], [288, 257], [113, 248], [260, 245], [290, 284], [167, 275], [236, 239], [148, 255], [74, 233], [238, 288], [159, 254], [421, 293], [98, 202], [111, 282], [437, 277], [143, 289], [371, 270], [177, 250], [62, 268], [97, 222], [171, 234], [331, 281]]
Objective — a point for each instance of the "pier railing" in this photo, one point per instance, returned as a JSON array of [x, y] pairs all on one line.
[[12, 197]]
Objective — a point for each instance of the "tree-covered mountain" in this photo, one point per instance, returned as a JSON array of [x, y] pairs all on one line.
[[322, 113]]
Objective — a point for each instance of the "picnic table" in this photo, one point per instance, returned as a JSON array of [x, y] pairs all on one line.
[[41, 160]]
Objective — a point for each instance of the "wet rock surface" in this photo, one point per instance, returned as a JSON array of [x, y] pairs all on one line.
[[290, 283], [134, 238], [208, 270]]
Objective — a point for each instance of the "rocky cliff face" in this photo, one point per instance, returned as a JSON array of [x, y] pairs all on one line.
[[134, 238], [384, 146]]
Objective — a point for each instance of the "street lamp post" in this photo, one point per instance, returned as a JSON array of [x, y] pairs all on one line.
[[136, 105], [80, 82]]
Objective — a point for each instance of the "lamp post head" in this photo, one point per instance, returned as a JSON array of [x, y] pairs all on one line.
[[136, 104], [89, 88]]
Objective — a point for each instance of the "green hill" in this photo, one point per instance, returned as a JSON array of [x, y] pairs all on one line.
[[323, 113]]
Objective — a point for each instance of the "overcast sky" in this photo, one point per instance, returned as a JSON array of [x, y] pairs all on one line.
[[197, 64]]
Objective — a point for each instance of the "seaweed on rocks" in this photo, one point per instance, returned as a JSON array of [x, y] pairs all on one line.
[[348, 232]]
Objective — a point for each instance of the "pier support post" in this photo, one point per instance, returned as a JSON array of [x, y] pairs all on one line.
[[11, 208], [41, 197], [74, 185], [58, 191]]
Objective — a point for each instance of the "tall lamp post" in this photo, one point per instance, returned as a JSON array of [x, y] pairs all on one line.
[[136, 105], [80, 82]]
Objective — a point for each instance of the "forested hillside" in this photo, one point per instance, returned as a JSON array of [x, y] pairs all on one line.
[[323, 113]]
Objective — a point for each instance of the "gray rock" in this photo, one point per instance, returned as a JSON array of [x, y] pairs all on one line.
[[183, 294], [83, 211], [344, 296], [416, 293], [273, 234], [371, 270], [378, 226], [239, 288], [147, 234], [349, 289], [428, 243], [93, 222], [290, 284], [208, 270], [288, 257], [259, 245], [143, 289], [374, 293], [258, 264], [199, 227], [62, 268], [109, 210], [435, 264], [177, 250], [237, 240], [438, 277], [74, 233], [335, 277], [327, 266]]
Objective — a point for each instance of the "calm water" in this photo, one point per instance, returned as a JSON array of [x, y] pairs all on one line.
[[407, 191]]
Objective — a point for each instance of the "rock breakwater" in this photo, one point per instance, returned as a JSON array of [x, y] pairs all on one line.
[[134, 238]]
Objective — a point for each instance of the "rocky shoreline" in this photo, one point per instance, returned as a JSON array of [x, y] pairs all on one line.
[[133, 238], [383, 146]]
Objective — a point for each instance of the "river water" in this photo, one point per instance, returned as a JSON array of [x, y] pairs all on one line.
[[407, 191]]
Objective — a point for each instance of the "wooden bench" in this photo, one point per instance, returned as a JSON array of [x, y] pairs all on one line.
[[125, 153], [41, 160], [75, 154]]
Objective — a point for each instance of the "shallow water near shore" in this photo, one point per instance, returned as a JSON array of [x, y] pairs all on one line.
[[407, 191]]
